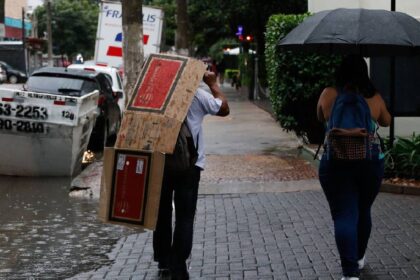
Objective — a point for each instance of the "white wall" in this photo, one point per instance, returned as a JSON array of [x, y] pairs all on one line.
[[32, 4], [321, 5], [411, 7]]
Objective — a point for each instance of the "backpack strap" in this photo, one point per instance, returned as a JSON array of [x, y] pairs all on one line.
[[317, 150], [381, 140]]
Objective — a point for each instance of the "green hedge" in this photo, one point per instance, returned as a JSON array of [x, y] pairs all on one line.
[[403, 160], [296, 80]]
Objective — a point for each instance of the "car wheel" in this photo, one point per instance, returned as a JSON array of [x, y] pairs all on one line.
[[13, 79]]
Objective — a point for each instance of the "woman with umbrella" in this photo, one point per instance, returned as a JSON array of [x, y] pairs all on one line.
[[351, 185]]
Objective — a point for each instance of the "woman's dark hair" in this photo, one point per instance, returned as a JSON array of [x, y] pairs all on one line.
[[352, 74]]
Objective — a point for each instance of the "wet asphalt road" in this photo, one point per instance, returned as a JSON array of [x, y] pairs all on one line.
[[45, 234]]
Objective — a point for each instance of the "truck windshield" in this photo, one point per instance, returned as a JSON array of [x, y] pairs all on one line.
[[61, 85]]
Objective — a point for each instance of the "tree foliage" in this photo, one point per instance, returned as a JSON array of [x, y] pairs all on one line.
[[213, 20], [74, 25], [216, 50]]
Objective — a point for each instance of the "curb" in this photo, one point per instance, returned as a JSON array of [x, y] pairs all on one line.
[[385, 187]]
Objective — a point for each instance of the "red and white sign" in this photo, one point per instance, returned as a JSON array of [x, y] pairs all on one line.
[[129, 191], [158, 80], [108, 50]]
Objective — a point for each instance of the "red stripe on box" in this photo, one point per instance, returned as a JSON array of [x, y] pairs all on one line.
[[130, 188], [155, 88]]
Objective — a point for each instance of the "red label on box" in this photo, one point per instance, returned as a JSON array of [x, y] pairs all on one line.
[[157, 84], [129, 187]]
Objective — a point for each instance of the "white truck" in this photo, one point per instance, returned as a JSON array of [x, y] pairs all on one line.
[[108, 49], [44, 134]]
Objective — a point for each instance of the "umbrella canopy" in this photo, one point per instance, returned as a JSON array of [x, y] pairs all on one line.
[[356, 31]]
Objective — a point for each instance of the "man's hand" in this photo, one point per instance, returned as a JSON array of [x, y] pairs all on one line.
[[210, 79]]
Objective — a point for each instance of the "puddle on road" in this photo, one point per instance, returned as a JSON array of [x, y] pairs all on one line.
[[45, 234]]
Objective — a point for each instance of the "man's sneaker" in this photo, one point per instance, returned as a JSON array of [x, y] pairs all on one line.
[[361, 262], [350, 278]]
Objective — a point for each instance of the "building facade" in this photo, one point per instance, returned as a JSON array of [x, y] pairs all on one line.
[[17, 12], [411, 7]]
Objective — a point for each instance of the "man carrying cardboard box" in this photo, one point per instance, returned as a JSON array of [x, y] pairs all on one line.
[[171, 250]]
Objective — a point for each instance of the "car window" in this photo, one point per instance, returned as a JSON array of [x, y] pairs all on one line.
[[6, 65], [61, 85]]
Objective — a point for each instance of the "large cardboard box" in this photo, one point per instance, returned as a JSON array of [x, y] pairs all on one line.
[[130, 187], [133, 170]]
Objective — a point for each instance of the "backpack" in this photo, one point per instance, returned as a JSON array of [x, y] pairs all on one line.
[[185, 154], [350, 134]]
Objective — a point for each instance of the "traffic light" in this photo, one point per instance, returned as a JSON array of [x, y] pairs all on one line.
[[249, 38]]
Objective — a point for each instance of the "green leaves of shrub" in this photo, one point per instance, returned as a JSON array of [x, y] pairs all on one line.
[[296, 80], [403, 160]]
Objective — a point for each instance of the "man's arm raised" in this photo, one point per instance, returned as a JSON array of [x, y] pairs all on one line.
[[211, 80]]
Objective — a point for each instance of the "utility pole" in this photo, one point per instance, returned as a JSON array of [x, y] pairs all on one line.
[[392, 93], [49, 33], [23, 27]]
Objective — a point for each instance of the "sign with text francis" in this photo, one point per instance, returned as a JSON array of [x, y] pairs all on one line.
[[109, 39]]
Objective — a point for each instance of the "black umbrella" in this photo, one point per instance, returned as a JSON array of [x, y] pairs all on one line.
[[358, 31]]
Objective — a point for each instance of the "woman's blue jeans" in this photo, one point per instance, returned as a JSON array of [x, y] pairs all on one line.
[[351, 188]]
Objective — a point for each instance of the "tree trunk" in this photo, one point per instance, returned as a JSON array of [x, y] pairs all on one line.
[[132, 43], [181, 36]]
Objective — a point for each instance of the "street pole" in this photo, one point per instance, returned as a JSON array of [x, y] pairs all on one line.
[[23, 27], [49, 34], [256, 78], [26, 54], [392, 93]]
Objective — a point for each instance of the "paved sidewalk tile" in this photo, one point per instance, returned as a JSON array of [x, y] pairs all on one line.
[[278, 236]]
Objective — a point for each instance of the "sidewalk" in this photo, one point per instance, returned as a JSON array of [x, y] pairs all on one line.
[[261, 214]]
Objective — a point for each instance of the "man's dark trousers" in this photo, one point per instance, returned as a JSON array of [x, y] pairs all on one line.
[[183, 188]]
